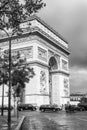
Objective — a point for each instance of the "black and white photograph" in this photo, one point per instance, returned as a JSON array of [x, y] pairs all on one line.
[[43, 64]]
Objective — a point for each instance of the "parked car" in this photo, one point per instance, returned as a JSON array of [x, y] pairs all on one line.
[[73, 108], [79, 108], [26, 107], [5, 107], [83, 105], [35, 105], [69, 108], [59, 107], [48, 107]]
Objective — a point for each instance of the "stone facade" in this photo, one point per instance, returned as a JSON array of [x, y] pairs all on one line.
[[47, 52]]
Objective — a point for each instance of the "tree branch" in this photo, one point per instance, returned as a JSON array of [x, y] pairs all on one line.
[[3, 5]]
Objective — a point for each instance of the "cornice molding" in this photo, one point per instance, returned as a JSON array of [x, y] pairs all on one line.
[[65, 97], [39, 63], [36, 94], [50, 39], [39, 32], [50, 47], [60, 71], [49, 36], [47, 26]]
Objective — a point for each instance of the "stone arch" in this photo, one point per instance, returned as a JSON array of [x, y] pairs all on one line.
[[53, 65]]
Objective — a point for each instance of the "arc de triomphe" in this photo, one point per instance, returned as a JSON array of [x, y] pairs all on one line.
[[47, 52]]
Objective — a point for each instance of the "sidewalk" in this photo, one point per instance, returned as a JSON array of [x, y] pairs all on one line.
[[4, 121]]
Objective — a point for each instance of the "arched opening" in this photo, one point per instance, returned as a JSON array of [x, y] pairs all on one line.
[[53, 64], [52, 67]]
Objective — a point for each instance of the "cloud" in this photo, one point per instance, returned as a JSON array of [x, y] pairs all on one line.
[[78, 80], [69, 18]]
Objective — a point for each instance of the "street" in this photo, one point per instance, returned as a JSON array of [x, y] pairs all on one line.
[[55, 121]]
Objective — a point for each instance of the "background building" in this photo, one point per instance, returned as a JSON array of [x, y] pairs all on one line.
[[47, 52], [76, 97]]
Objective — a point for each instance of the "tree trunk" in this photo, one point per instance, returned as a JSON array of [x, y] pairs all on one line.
[[15, 109], [2, 100]]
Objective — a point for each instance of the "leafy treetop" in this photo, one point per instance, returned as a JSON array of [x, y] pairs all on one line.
[[14, 12], [20, 72]]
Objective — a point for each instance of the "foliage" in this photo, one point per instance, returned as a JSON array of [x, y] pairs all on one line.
[[20, 72], [14, 12], [83, 100], [3, 69]]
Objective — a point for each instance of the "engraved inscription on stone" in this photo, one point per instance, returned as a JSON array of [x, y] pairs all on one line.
[[42, 54]]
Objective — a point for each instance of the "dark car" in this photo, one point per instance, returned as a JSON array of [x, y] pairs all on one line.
[[79, 108], [35, 105], [83, 105], [48, 107], [26, 107], [59, 107], [69, 108], [5, 107], [73, 108]]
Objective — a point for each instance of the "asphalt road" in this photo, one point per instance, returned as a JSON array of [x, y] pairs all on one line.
[[55, 121]]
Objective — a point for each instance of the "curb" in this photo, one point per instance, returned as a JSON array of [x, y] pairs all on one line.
[[20, 123]]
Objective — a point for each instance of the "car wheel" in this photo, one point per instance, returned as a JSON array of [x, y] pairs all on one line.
[[21, 109], [54, 110], [58, 109], [81, 110], [42, 110], [34, 109]]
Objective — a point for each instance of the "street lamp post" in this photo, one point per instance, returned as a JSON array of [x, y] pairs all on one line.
[[2, 78], [9, 89], [2, 98]]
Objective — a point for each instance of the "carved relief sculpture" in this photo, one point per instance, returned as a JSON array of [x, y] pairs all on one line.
[[43, 82], [66, 92], [27, 52], [42, 54], [64, 65]]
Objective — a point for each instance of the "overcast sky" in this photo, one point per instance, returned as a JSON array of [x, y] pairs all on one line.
[[69, 18]]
